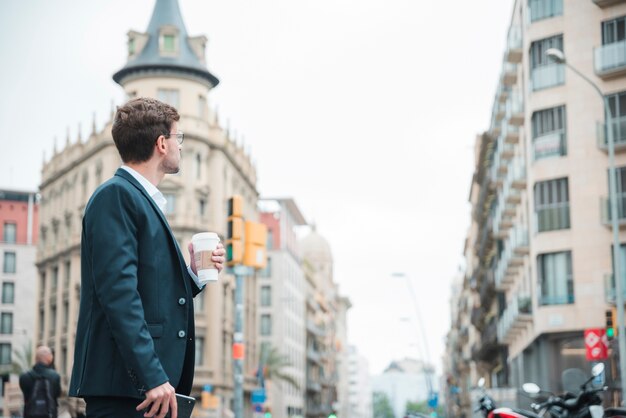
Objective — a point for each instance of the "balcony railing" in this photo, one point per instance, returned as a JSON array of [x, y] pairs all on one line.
[[515, 317], [514, 51], [519, 240], [505, 270], [510, 132], [549, 145], [509, 74], [609, 287], [499, 111], [503, 93], [610, 59], [546, 76], [607, 3], [504, 150], [557, 299], [553, 217], [605, 207], [515, 108], [619, 135]]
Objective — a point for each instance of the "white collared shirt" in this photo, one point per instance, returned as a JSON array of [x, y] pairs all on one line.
[[150, 188], [160, 201]]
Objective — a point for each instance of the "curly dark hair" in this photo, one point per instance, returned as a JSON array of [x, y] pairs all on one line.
[[137, 126]]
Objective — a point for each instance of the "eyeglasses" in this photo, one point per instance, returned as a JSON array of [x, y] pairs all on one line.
[[180, 137]]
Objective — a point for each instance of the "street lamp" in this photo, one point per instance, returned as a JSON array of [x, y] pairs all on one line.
[[427, 369], [558, 56]]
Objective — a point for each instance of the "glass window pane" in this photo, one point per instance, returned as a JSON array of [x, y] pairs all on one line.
[[8, 292], [9, 232], [6, 323], [5, 353], [9, 262]]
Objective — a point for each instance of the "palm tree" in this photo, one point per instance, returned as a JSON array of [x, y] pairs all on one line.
[[21, 359], [274, 364]]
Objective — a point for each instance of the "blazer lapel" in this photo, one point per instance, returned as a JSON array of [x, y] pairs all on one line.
[[127, 176]]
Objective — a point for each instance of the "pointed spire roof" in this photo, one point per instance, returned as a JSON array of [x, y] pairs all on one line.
[[166, 13]]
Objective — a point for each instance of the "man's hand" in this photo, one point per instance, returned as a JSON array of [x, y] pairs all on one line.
[[217, 258], [163, 399]]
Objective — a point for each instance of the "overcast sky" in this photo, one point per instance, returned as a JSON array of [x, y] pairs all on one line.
[[364, 111]]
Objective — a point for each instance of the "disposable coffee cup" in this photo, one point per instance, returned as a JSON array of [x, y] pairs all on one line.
[[204, 244]]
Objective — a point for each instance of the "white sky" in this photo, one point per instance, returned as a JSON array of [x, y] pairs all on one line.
[[364, 111]]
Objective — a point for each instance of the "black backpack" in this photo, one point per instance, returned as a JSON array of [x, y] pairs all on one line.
[[40, 403]]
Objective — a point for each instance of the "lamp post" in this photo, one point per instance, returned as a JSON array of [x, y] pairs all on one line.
[[558, 56], [427, 371]]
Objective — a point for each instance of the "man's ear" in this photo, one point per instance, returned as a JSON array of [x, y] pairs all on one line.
[[160, 145]]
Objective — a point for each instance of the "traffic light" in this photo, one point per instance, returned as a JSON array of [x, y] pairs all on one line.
[[332, 416], [611, 323], [268, 411], [255, 253], [234, 231]]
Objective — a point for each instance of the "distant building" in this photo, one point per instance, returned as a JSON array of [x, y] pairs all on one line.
[[403, 381], [281, 305], [359, 381], [19, 228]]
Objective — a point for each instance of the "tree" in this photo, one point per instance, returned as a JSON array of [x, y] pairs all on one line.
[[274, 364], [21, 359], [422, 408], [381, 405]]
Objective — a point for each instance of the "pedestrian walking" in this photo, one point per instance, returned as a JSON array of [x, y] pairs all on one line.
[[41, 386], [135, 336]]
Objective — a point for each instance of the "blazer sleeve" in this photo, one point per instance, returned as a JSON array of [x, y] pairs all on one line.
[[111, 234]]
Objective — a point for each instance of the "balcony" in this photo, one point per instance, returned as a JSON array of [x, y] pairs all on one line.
[[488, 347], [610, 60], [547, 76], [313, 386], [514, 112], [607, 3], [509, 74], [487, 289], [605, 208], [503, 93], [514, 318], [313, 355], [504, 150], [315, 329], [609, 287], [549, 145], [510, 133], [499, 111], [619, 135], [519, 241], [477, 317], [514, 51], [505, 271]]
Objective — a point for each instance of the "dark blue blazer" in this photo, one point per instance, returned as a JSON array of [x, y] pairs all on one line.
[[135, 325]]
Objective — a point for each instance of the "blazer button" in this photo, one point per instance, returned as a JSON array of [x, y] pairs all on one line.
[[181, 301], [181, 334]]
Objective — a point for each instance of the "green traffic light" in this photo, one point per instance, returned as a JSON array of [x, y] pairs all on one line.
[[229, 255], [268, 415], [610, 332], [332, 416]]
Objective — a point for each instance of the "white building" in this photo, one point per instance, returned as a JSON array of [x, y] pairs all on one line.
[[403, 381], [359, 392]]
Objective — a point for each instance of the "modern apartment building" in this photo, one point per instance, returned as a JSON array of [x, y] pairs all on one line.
[[19, 228], [281, 306], [403, 381], [165, 63], [540, 247]]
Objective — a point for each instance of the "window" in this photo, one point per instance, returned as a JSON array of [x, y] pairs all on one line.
[[170, 206], [201, 207], [199, 351], [6, 323], [266, 296], [9, 234], [201, 106], [53, 319], [55, 278], [267, 271], [198, 168], [548, 130], [9, 262], [543, 9], [552, 205], [8, 292], [617, 104], [270, 239], [555, 278], [169, 96], [169, 43], [68, 272], [266, 324], [131, 46], [5, 353], [614, 30], [66, 315], [42, 284], [545, 72]]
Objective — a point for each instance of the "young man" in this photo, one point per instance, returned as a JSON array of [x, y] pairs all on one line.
[[135, 336], [43, 367]]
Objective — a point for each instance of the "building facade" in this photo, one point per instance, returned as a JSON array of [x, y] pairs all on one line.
[[281, 306], [403, 381], [19, 229], [360, 388], [167, 64], [541, 242]]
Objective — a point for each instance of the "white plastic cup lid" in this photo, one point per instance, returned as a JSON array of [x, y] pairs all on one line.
[[205, 235]]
